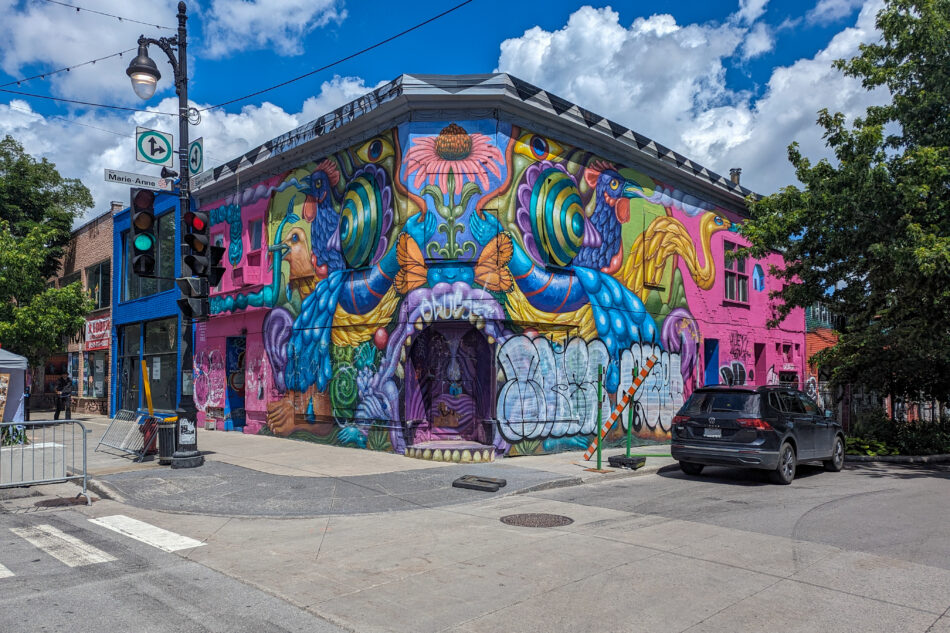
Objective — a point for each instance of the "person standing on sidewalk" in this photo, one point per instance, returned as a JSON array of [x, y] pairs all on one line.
[[64, 394]]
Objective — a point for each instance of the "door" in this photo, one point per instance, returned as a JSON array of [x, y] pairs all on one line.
[[711, 356], [803, 424], [234, 416], [824, 431]]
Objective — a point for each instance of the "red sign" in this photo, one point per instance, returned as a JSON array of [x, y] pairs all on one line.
[[98, 333]]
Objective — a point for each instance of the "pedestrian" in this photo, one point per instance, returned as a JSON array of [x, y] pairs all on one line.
[[64, 394]]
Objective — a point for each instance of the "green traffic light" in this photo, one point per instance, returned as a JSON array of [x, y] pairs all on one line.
[[143, 242]]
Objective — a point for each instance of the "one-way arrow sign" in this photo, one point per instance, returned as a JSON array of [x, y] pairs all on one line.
[[154, 147]]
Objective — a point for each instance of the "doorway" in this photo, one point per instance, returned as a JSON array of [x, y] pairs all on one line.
[[234, 415], [450, 383]]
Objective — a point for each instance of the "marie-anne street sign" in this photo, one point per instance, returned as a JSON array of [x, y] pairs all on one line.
[[139, 180]]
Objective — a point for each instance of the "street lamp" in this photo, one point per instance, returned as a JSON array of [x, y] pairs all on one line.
[[144, 75]]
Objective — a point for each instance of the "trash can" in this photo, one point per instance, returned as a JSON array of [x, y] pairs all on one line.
[[167, 440]]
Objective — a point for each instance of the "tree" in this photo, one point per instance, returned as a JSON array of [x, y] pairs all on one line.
[[870, 234], [34, 194], [37, 208]]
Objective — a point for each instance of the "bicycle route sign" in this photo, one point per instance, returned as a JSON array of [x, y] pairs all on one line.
[[154, 147]]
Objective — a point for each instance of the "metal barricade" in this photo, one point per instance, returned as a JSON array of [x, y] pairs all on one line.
[[132, 433], [43, 452]]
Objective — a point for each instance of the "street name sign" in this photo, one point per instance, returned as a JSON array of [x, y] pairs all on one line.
[[139, 180], [154, 147], [196, 156]]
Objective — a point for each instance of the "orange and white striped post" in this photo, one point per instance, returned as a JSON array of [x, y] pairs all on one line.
[[620, 407]]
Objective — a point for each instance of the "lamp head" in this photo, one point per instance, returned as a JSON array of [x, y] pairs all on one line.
[[144, 73]]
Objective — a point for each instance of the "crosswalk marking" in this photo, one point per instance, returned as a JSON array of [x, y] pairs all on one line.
[[4, 572], [147, 533], [63, 547]]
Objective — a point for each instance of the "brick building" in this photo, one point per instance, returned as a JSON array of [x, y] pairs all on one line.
[[87, 356]]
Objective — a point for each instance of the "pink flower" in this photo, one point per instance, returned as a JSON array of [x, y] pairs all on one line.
[[467, 156]]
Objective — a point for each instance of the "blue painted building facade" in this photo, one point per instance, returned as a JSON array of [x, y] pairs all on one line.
[[146, 322]]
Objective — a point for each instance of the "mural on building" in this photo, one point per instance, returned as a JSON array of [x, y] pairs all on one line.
[[466, 280]]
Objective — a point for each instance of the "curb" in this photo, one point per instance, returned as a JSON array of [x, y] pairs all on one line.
[[899, 459], [103, 490]]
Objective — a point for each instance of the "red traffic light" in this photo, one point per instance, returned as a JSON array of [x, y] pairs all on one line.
[[197, 221]]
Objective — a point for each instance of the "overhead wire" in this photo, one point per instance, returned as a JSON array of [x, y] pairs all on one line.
[[110, 15], [253, 94], [67, 68], [342, 59]]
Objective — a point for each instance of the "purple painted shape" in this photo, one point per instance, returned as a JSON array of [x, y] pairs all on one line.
[[680, 335], [277, 327]]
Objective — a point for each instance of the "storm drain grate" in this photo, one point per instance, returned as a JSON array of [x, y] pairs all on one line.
[[537, 520]]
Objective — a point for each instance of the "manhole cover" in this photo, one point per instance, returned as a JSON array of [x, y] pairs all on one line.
[[537, 520]]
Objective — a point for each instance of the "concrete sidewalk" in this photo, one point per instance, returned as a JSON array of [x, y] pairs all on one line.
[[258, 475]]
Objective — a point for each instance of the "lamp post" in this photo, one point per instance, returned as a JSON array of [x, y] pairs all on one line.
[[145, 75]]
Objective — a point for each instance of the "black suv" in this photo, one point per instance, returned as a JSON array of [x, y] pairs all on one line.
[[770, 428]]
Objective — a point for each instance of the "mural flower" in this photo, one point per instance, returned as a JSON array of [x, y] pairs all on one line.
[[453, 151]]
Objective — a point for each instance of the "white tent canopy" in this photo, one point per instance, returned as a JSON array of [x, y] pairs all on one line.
[[15, 367]]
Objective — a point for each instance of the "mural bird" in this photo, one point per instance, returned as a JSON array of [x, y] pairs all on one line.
[[612, 193], [302, 274], [320, 209]]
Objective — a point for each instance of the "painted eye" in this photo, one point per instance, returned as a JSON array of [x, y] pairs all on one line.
[[294, 238], [614, 183], [537, 147], [317, 184], [375, 150], [718, 220]]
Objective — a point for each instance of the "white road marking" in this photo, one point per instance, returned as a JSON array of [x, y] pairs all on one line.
[[4, 572], [147, 533], [63, 547]]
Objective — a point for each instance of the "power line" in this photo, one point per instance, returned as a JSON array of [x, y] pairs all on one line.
[[341, 60], [253, 94], [67, 68], [85, 103], [109, 15]]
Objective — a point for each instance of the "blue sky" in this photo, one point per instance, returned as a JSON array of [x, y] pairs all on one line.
[[726, 83]]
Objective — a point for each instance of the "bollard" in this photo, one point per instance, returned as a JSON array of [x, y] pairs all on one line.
[[600, 413]]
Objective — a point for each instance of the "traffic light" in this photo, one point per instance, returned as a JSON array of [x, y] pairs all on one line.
[[194, 297], [143, 232], [196, 263], [216, 271]]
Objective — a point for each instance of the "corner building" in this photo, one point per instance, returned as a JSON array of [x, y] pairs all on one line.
[[444, 266]]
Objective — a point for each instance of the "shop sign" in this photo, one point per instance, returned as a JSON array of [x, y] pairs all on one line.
[[98, 333]]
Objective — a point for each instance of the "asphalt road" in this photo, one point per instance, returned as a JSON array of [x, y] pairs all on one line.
[[864, 550], [900, 511], [60, 572]]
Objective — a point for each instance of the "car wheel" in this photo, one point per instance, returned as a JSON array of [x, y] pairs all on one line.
[[691, 468], [785, 471], [836, 463]]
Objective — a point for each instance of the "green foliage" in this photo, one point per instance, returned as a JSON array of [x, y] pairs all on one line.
[[33, 194], [378, 439], [870, 234], [875, 434]]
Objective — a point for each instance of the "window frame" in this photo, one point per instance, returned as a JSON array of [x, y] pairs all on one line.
[[104, 286], [736, 275]]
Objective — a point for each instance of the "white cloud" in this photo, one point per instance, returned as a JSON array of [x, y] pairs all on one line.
[[41, 36], [80, 147], [758, 41], [235, 25], [667, 81], [830, 10], [751, 10]]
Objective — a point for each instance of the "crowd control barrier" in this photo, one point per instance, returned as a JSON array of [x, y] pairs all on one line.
[[43, 452]]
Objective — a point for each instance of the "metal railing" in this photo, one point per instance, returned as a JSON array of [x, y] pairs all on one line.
[[43, 452], [131, 432]]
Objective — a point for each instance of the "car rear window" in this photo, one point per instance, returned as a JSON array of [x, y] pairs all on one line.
[[722, 402]]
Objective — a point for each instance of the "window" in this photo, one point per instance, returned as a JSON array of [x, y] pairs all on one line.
[[254, 230], [165, 254], [737, 279], [94, 383], [98, 282], [217, 239], [130, 344], [810, 407], [161, 359], [68, 279]]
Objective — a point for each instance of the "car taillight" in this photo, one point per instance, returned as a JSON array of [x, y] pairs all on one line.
[[754, 423], [680, 419]]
